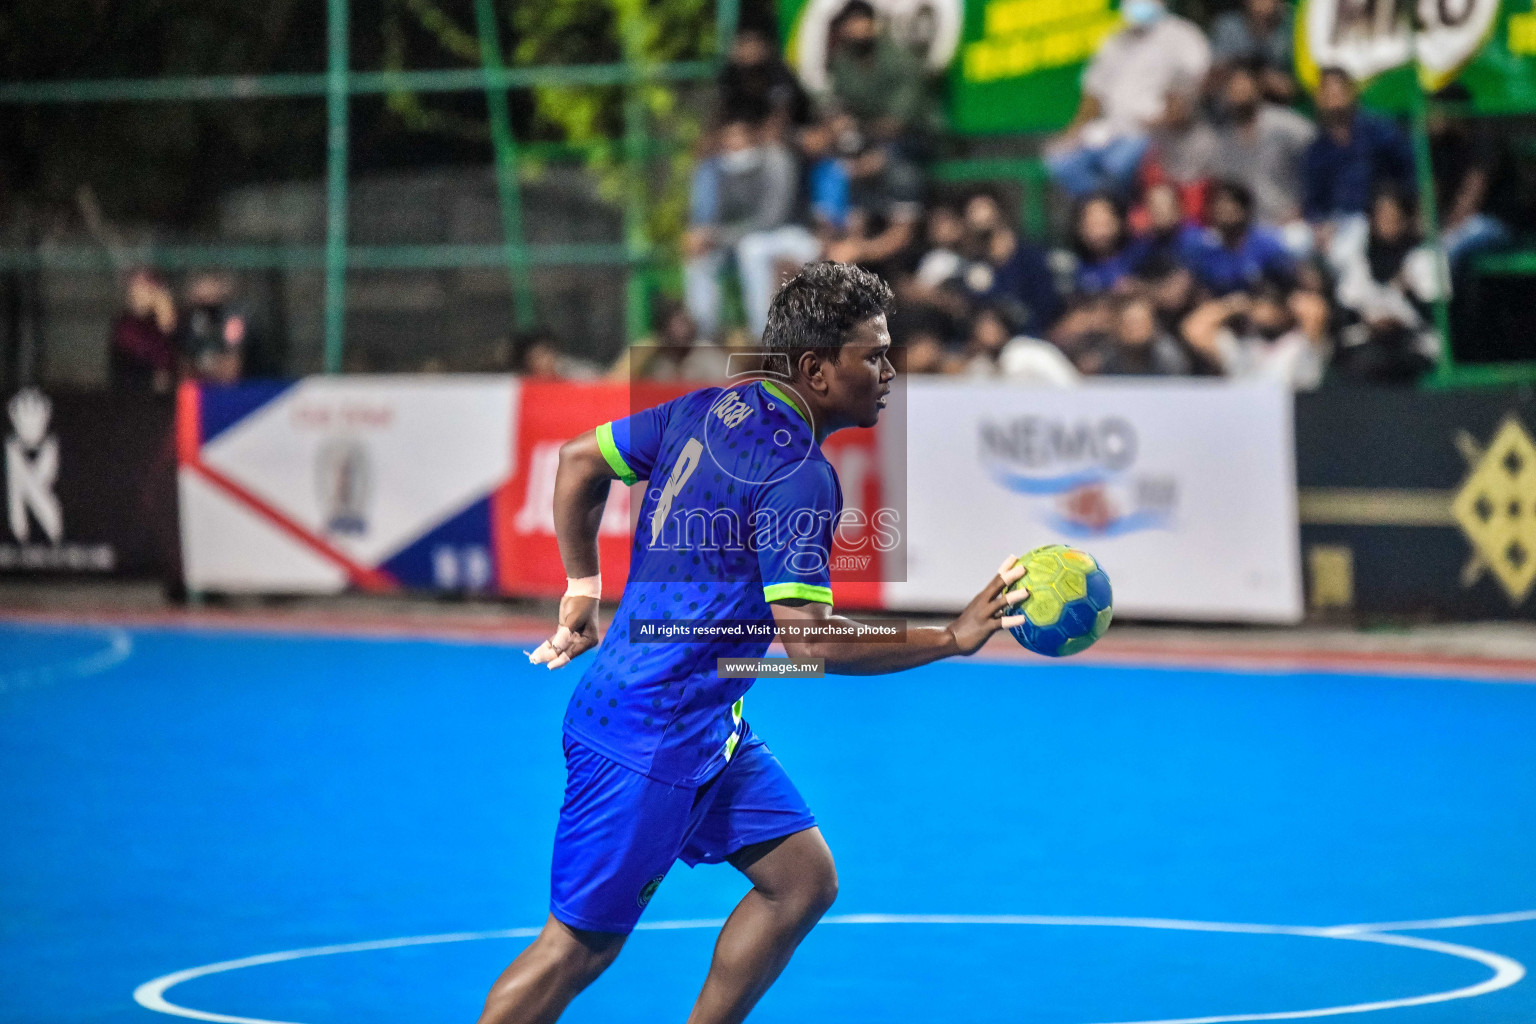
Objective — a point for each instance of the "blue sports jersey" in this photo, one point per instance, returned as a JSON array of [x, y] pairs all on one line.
[[740, 510]]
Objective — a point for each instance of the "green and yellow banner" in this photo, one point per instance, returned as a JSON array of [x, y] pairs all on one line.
[[1489, 46], [1010, 65], [1016, 65]]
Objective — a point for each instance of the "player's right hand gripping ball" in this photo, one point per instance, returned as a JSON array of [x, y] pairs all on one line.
[[1069, 604]]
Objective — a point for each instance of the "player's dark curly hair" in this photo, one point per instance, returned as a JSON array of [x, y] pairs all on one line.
[[820, 306]]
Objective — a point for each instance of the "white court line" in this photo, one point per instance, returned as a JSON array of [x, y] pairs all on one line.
[[119, 646], [1439, 922], [1506, 971], [151, 994]]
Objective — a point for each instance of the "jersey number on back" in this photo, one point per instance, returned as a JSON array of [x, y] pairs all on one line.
[[686, 463]]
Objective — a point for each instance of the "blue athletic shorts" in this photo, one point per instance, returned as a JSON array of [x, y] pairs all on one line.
[[620, 831]]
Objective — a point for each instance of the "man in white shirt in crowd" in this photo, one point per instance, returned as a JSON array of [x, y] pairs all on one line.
[[1125, 90]]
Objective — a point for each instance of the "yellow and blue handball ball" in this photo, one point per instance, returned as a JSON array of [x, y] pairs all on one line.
[[1069, 604]]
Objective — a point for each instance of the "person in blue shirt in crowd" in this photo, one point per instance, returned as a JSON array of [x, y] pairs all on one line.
[[1234, 253], [1013, 274], [735, 525], [1355, 153], [1168, 235], [1101, 244]]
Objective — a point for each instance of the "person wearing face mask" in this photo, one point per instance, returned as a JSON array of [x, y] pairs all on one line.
[[1356, 153], [1125, 90], [994, 348], [740, 209], [1139, 347], [1166, 233], [1015, 275], [1260, 35], [1269, 335], [1260, 145], [212, 332], [1100, 245], [883, 85], [1387, 282], [1234, 254], [756, 84]]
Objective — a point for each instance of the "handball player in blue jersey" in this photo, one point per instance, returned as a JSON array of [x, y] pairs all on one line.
[[735, 526]]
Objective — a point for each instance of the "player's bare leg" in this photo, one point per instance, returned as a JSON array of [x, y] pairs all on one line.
[[793, 883], [538, 986]]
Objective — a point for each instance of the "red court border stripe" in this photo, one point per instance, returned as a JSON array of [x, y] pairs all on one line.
[[1300, 659], [524, 628]]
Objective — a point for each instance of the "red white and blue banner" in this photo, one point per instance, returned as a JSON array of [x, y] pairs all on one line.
[[373, 483], [1185, 491]]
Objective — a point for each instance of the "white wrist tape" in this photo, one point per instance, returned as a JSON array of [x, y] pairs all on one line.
[[586, 586]]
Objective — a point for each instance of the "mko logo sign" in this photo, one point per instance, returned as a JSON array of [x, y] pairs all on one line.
[[1080, 471]]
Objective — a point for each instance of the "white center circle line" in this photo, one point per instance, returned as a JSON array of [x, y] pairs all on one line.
[[1506, 970]]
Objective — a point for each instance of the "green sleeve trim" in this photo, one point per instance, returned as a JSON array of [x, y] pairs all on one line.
[[777, 392], [802, 591], [611, 454]]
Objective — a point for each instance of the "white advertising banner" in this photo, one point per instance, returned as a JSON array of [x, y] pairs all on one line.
[[335, 482], [1185, 491]]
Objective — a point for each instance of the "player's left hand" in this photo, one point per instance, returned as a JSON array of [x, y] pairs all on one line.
[[987, 612], [576, 634]]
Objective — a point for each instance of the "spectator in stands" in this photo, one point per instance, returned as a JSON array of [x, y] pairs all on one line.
[[882, 85], [1168, 235], [740, 206], [983, 214], [1086, 333], [1012, 274], [1234, 254], [943, 234], [212, 333], [1125, 90], [1387, 284], [1260, 145], [885, 196], [538, 355], [141, 355], [1140, 346], [1182, 151], [824, 198], [1474, 193], [921, 346], [1171, 288], [1260, 36], [934, 288], [986, 334], [1101, 245], [1270, 335], [994, 349], [757, 86], [673, 350], [1355, 153]]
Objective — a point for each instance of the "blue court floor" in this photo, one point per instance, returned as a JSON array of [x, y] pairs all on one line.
[[1029, 842]]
